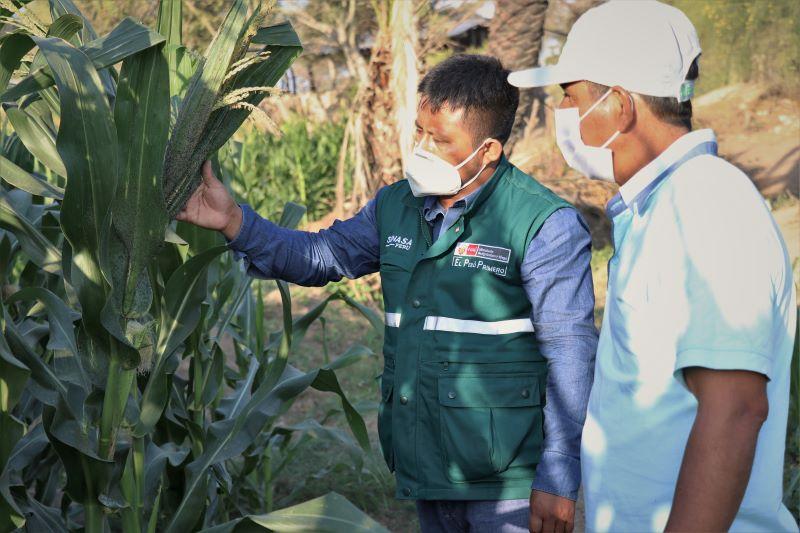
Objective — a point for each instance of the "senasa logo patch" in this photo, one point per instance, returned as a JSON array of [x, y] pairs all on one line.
[[483, 251], [396, 241]]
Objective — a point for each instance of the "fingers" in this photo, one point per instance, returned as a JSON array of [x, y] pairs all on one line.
[[535, 524], [560, 526], [549, 525], [208, 174]]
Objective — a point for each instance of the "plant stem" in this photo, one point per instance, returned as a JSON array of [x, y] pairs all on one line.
[[118, 386]]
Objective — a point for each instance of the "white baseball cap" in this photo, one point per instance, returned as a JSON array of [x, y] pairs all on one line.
[[644, 46]]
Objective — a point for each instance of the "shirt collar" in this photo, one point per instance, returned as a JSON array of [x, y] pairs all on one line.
[[640, 181], [432, 208]]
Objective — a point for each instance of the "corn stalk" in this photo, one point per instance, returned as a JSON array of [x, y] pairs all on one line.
[[99, 429]]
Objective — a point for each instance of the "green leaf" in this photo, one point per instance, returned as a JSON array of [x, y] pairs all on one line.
[[170, 23], [229, 437], [13, 48], [65, 26], [86, 124], [139, 216], [35, 245], [21, 179], [182, 161], [331, 513], [292, 215], [44, 519], [38, 138], [184, 293], [49, 383], [62, 7], [23, 454], [126, 39], [282, 35], [13, 378], [59, 317], [283, 50]]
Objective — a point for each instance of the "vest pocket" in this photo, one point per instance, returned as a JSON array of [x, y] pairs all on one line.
[[490, 424], [385, 415]]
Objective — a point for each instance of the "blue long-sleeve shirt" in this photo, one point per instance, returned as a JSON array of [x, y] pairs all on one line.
[[557, 279]]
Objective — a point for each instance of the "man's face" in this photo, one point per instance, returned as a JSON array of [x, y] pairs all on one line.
[[446, 134], [598, 126]]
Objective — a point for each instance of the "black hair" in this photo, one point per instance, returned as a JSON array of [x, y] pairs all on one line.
[[665, 108], [478, 85]]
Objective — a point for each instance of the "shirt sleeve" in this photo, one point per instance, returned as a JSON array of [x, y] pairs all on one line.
[[557, 277], [349, 248], [736, 277]]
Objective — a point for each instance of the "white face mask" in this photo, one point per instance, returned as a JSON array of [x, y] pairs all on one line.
[[595, 162], [430, 175]]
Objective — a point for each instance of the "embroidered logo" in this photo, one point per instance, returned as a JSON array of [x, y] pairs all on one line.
[[483, 251], [471, 255], [396, 241]]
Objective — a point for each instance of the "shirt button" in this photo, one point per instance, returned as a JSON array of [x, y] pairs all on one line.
[[416, 303], [458, 229], [403, 400], [525, 393], [445, 365], [451, 395], [407, 491]]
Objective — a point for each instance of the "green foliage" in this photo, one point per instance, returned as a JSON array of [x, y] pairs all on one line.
[[301, 164], [747, 41], [138, 385]]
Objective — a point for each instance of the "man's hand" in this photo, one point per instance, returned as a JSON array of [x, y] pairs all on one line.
[[212, 206], [551, 513]]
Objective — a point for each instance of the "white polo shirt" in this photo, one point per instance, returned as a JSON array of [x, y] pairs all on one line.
[[700, 277]]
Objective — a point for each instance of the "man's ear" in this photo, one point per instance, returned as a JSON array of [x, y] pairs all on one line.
[[493, 153], [627, 110]]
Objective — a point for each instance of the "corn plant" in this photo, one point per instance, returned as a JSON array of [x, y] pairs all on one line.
[[122, 404]]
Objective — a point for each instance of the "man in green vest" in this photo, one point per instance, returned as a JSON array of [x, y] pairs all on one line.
[[489, 341]]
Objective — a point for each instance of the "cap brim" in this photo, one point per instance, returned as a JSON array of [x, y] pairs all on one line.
[[540, 77]]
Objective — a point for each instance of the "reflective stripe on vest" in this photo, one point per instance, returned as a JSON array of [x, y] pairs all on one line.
[[501, 327], [393, 320]]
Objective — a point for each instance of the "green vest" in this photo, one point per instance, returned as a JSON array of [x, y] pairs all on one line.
[[463, 384]]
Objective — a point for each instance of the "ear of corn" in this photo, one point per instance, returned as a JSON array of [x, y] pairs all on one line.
[[213, 110], [182, 163]]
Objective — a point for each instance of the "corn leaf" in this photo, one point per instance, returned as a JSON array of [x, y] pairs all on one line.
[[37, 137], [230, 437], [331, 513], [182, 163], [170, 23], [139, 216], [59, 317], [13, 48], [65, 26], [21, 179], [185, 291], [63, 7], [126, 39], [34, 244], [283, 47], [24, 453]]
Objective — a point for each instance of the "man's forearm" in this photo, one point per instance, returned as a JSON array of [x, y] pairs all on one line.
[[715, 471]]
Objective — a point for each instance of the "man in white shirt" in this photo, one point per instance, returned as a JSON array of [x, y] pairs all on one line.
[[686, 423]]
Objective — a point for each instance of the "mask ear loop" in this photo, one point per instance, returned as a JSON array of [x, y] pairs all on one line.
[[470, 156], [609, 141], [594, 105]]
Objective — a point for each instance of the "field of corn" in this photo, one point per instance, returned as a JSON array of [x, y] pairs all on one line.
[[141, 395], [177, 394]]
